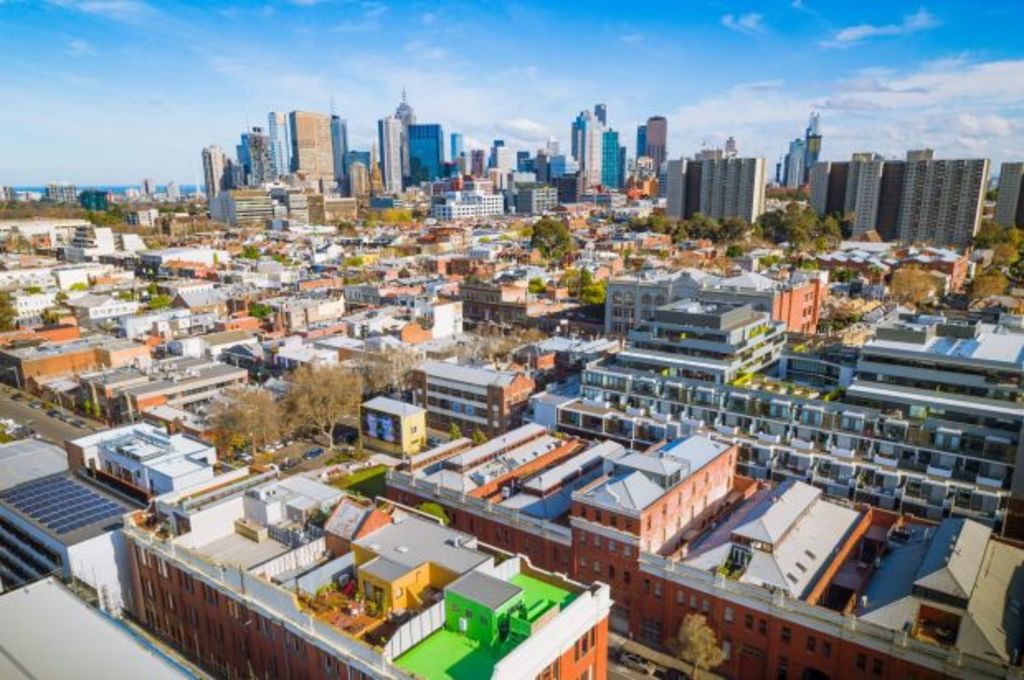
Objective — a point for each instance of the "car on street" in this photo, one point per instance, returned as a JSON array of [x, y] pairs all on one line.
[[313, 453], [637, 663]]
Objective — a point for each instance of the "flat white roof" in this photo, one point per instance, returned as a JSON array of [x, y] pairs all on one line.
[[47, 632]]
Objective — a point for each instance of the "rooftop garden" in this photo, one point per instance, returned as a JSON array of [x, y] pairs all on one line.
[[450, 655]]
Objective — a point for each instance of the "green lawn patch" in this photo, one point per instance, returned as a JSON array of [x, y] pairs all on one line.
[[371, 482]]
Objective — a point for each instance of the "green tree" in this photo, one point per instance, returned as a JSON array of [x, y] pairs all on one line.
[[594, 293], [536, 286], [250, 252], [734, 251], [7, 314], [552, 238], [79, 287], [454, 431], [260, 310], [479, 436], [158, 302], [354, 261]]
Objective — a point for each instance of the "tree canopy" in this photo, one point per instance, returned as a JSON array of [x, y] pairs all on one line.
[[552, 238]]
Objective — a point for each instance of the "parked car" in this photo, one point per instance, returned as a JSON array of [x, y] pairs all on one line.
[[313, 453], [36, 404], [637, 663]]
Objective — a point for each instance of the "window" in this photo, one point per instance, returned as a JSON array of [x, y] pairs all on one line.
[[748, 622], [811, 644], [861, 662], [783, 672], [680, 598], [826, 648], [726, 649], [706, 605], [693, 601], [876, 666], [657, 590], [762, 626], [597, 567], [728, 614], [787, 634], [597, 541], [611, 573]]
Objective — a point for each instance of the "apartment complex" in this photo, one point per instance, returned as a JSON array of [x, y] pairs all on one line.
[[408, 598], [470, 397], [632, 300], [143, 460], [1010, 198], [927, 421], [919, 199], [719, 188]]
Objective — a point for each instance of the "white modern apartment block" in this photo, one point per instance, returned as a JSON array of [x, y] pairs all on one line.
[[467, 205], [942, 200], [146, 457]]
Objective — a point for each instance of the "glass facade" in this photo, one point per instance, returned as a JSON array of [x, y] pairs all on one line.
[[426, 152]]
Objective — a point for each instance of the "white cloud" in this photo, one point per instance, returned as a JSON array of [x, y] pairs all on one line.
[[744, 23], [921, 20], [120, 10], [958, 107], [634, 38], [79, 48]]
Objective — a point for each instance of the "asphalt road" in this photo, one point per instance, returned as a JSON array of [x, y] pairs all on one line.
[[50, 429]]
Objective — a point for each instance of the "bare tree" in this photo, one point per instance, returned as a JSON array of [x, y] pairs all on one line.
[[696, 644], [321, 397], [246, 415], [388, 370]]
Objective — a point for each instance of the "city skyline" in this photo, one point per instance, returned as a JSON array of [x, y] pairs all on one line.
[[86, 74]]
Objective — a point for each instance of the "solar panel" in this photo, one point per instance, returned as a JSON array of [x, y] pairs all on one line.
[[61, 504]]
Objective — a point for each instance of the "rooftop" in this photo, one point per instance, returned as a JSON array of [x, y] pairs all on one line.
[[44, 617], [482, 377], [392, 407], [28, 459], [449, 655]]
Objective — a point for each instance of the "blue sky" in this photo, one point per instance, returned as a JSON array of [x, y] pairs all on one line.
[[99, 91]]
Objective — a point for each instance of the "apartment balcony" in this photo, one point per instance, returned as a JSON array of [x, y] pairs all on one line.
[[886, 461], [991, 482], [802, 444], [840, 452], [769, 438], [937, 471]]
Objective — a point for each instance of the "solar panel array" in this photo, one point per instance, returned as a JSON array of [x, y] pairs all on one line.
[[61, 503]]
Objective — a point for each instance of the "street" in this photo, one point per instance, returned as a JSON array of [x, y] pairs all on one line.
[[48, 428]]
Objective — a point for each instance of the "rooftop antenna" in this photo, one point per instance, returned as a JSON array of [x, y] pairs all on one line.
[[333, 109], [404, 98]]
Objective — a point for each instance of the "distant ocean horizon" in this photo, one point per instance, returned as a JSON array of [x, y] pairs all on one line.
[[118, 189]]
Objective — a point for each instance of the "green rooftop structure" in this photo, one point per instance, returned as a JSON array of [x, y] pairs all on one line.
[[485, 619]]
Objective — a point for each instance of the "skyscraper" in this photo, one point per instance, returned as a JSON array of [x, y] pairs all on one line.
[[502, 157], [456, 146], [611, 170], [732, 187], [1010, 199], [730, 148], [942, 200], [478, 163], [812, 146], [793, 167], [255, 157], [148, 186], [280, 147], [214, 166], [426, 152], [641, 140], [339, 145], [601, 111], [864, 192], [675, 192], [407, 116], [588, 147], [312, 153], [389, 139], [657, 140]]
